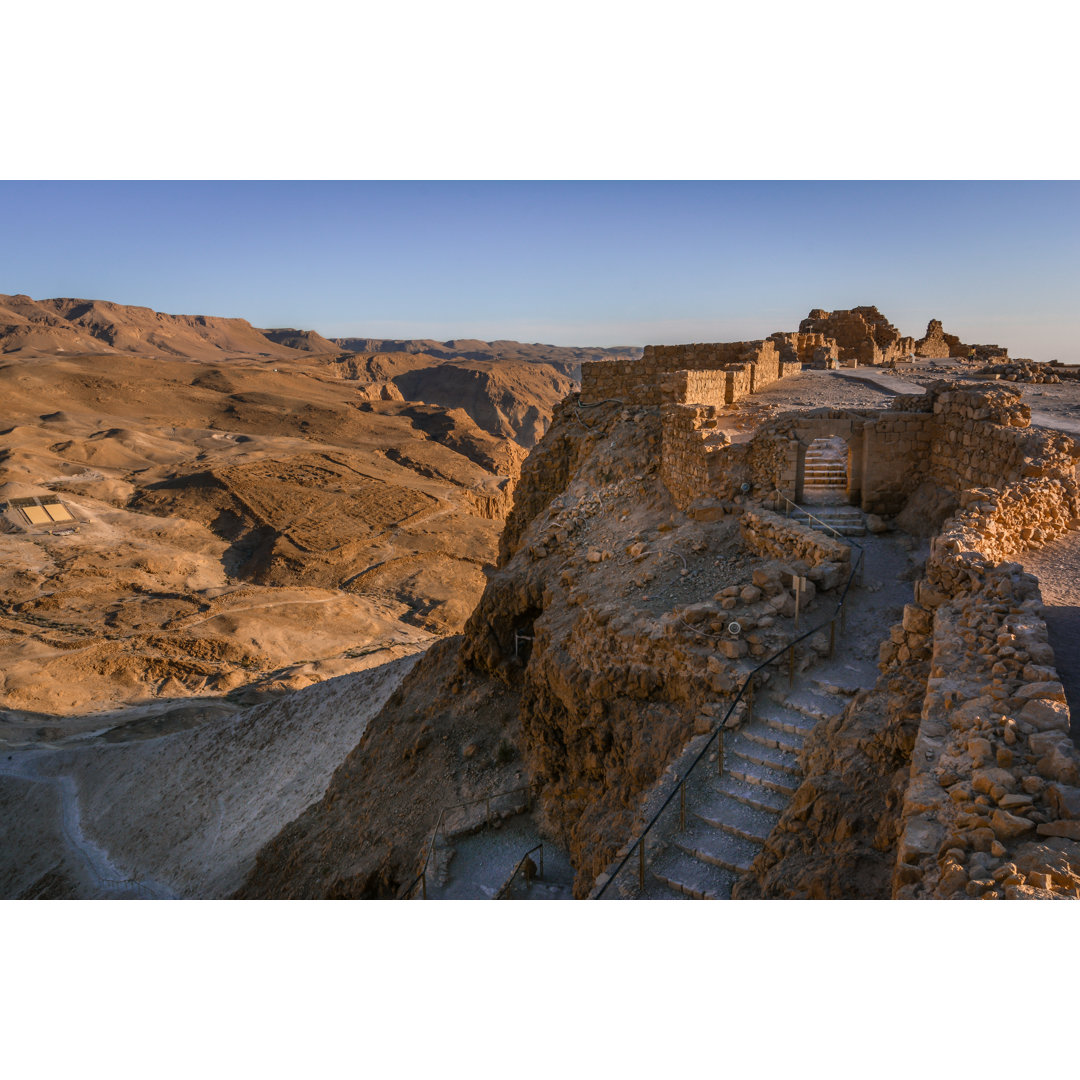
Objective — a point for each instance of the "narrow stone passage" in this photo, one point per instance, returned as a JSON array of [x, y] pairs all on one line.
[[730, 817]]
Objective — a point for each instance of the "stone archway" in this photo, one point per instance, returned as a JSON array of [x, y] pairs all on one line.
[[826, 475]]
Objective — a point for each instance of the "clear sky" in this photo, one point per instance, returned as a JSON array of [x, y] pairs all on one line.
[[587, 263]]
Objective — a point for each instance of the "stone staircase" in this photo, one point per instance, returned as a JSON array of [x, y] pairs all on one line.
[[729, 817], [825, 474], [846, 520]]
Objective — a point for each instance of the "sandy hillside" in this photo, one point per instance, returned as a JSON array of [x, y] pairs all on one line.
[[180, 815], [244, 519]]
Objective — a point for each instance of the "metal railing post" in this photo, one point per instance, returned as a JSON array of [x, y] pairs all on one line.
[[423, 882]]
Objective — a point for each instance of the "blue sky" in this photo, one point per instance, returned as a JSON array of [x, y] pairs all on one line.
[[588, 263]]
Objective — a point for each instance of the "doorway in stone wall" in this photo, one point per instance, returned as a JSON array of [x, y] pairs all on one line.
[[826, 472]]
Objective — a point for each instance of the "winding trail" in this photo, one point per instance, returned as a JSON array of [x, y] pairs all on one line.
[[107, 880]]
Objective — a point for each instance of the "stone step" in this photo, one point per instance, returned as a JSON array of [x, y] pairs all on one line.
[[752, 795], [733, 816], [760, 754], [816, 706], [760, 731], [846, 680], [783, 719], [750, 772], [691, 877], [717, 847]]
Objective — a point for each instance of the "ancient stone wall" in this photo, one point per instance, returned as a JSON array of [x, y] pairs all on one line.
[[810, 350], [895, 459], [983, 439], [992, 806], [937, 345], [776, 537], [863, 335], [698, 387], [690, 437], [642, 382]]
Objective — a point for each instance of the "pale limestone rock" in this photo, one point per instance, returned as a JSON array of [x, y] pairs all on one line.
[[1008, 826]]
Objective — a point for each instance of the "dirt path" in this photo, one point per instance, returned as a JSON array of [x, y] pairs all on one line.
[[83, 858], [181, 815], [1057, 567]]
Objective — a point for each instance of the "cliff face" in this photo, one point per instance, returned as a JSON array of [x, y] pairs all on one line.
[[591, 652]]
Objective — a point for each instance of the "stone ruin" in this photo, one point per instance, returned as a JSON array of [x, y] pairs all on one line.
[[862, 335], [937, 345], [990, 803]]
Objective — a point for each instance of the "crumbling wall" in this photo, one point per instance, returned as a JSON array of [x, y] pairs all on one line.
[[809, 350], [983, 438], [937, 345], [863, 335], [697, 387], [690, 437], [895, 459], [777, 537], [642, 382], [992, 804]]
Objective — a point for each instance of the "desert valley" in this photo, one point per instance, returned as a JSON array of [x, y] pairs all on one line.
[[285, 616]]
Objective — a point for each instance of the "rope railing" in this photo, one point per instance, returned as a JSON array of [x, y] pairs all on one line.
[[421, 878], [504, 891], [717, 735]]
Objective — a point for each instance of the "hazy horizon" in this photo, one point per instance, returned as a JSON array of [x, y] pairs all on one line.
[[563, 263]]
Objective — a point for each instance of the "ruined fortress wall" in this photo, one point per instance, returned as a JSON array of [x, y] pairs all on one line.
[[641, 382], [738, 383], [896, 455], [697, 387], [777, 537], [863, 335], [809, 349], [685, 450], [993, 802], [983, 439], [634, 382]]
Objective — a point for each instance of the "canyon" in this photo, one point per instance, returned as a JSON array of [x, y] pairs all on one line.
[[749, 619]]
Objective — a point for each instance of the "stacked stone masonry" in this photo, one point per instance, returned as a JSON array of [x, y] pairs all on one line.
[[937, 345], [863, 335], [775, 537], [648, 381]]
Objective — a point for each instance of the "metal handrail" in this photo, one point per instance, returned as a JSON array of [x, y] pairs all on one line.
[[813, 517], [717, 732], [521, 862], [422, 876]]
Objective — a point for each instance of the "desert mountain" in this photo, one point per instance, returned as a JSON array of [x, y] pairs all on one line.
[[250, 510], [65, 325], [566, 359]]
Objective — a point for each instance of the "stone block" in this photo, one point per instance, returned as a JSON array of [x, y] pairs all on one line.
[[1046, 715]]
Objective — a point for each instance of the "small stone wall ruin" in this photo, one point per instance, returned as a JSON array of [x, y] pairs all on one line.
[[863, 335], [992, 806]]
